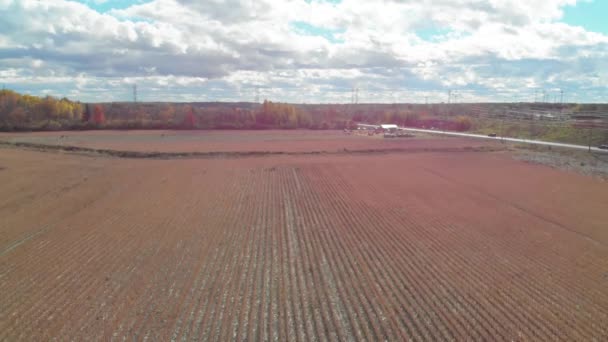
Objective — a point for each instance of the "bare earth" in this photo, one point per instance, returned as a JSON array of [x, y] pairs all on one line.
[[390, 246], [235, 141]]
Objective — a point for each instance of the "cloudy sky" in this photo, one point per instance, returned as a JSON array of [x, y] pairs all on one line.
[[306, 50]]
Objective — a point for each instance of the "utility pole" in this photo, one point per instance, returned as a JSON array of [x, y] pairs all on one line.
[[561, 99], [535, 95], [356, 95], [544, 95], [502, 123], [135, 93], [590, 136], [449, 96]]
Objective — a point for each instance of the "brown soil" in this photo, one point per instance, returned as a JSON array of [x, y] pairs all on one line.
[[425, 246], [235, 141]]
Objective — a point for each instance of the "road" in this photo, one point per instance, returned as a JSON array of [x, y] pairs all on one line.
[[527, 141]]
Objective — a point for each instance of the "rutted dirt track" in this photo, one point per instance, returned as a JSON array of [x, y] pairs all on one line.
[[431, 246]]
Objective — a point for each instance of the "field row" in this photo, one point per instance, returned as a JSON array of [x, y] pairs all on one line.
[[321, 248]]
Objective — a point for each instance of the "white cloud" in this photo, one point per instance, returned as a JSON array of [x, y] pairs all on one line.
[[484, 48]]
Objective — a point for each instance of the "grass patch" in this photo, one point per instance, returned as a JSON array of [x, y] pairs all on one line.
[[542, 131]]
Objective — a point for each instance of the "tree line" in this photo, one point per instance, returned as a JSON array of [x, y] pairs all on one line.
[[19, 111], [26, 112]]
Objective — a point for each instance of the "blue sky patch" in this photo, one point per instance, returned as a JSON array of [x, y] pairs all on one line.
[[590, 15], [307, 29], [330, 1], [432, 34], [105, 6]]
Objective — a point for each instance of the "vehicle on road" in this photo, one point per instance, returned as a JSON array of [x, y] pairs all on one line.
[[492, 135], [603, 147]]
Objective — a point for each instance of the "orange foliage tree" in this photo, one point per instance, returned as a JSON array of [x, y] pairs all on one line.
[[99, 118], [189, 119]]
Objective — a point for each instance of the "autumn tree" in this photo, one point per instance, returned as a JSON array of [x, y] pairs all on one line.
[[463, 123], [166, 115], [99, 118], [17, 116], [189, 119], [49, 108], [281, 115]]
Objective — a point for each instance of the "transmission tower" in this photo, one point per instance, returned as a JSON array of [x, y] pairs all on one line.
[[544, 96]]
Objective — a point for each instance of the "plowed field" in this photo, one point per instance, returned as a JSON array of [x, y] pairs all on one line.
[[295, 141], [397, 246]]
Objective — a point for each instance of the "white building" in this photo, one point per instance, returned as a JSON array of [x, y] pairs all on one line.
[[389, 128]]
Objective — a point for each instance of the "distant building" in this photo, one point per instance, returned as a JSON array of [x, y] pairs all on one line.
[[385, 128], [389, 128], [367, 127]]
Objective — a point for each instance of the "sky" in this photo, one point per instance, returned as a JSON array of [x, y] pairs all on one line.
[[307, 51]]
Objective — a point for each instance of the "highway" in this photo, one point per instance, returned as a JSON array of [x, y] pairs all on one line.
[[526, 141]]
